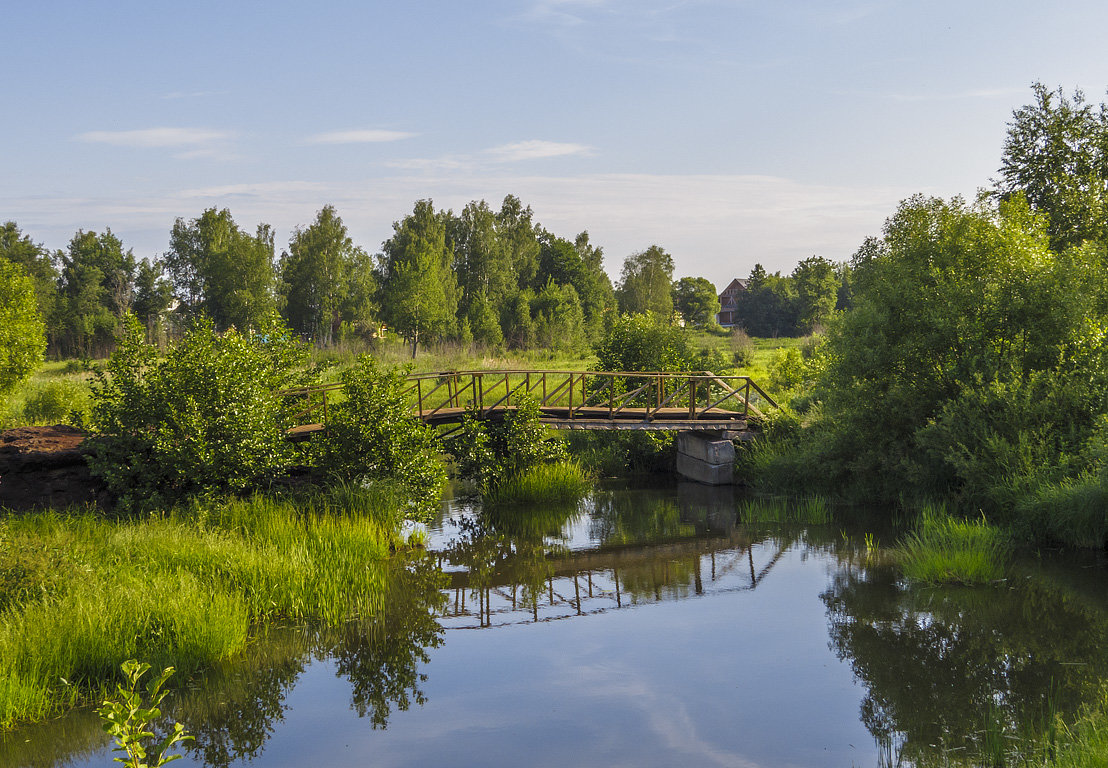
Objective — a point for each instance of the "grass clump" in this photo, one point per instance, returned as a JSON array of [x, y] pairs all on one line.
[[809, 510], [80, 594], [565, 480], [946, 549]]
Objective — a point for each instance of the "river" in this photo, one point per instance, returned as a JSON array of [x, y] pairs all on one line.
[[647, 626]]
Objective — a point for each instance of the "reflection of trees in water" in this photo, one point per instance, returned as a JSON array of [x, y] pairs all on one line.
[[944, 665], [637, 519], [233, 710]]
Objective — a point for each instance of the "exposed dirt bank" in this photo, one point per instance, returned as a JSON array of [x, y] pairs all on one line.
[[45, 467]]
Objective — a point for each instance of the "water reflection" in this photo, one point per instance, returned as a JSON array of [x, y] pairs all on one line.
[[619, 548], [941, 671], [958, 671], [234, 709]]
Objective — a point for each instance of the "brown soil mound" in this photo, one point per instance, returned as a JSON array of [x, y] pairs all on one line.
[[45, 467]]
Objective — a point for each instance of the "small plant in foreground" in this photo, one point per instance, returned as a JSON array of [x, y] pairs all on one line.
[[127, 717]]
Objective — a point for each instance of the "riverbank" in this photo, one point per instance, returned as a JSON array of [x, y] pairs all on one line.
[[188, 587]]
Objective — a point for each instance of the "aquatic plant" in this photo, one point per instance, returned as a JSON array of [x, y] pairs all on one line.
[[565, 480], [944, 549], [809, 510]]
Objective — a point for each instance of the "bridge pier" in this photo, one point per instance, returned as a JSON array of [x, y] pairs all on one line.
[[706, 457]]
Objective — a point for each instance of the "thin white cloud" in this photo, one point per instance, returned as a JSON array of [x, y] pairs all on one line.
[[265, 189], [363, 136], [157, 137], [520, 151], [535, 150]]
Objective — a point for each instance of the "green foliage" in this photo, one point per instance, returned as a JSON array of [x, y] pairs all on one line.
[[808, 510], [558, 319], [127, 717], [222, 273], [966, 330], [22, 330], [96, 289], [326, 280], [36, 260], [742, 347], [946, 549], [768, 306], [645, 343], [564, 480], [57, 402], [80, 594], [645, 284], [697, 300], [372, 435], [1056, 154], [207, 417], [817, 286], [491, 453], [419, 292]]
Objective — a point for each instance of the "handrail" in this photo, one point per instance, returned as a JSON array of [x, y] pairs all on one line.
[[598, 391]]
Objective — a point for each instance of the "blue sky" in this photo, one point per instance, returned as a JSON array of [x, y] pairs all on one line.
[[727, 132]]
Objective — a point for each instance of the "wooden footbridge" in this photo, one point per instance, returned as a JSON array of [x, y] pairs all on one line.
[[696, 401]]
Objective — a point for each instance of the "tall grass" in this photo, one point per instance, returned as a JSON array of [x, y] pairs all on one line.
[[80, 594], [946, 549], [808, 510], [557, 481]]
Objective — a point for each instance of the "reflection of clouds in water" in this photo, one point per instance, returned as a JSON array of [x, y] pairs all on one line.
[[667, 717]]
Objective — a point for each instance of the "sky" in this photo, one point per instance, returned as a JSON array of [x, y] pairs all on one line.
[[728, 132]]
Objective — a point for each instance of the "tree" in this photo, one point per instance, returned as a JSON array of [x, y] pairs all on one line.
[[769, 304], [519, 239], [96, 289], [153, 296], [817, 287], [697, 300], [973, 361], [36, 260], [322, 279], [1056, 153], [484, 269], [22, 330], [221, 272], [645, 283], [579, 264], [418, 287]]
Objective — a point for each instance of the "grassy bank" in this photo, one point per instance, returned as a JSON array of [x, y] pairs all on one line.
[[556, 481], [79, 594]]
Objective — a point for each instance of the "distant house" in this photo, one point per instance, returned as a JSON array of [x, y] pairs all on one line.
[[729, 302]]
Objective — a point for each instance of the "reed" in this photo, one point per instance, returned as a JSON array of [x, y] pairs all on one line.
[[557, 481], [80, 594], [945, 549], [808, 510]]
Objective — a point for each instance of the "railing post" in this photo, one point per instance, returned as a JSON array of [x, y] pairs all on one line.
[[570, 388], [746, 400], [480, 393], [419, 396], [611, 396], [692, 398]]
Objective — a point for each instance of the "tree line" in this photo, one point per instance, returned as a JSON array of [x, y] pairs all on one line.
[[484, 276]]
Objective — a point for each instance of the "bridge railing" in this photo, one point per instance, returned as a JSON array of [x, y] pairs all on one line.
[[649, 395], [588, 393]]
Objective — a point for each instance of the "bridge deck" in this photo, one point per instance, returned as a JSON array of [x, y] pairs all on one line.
[[598, 400]]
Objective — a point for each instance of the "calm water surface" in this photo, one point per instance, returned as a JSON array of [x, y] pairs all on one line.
[[644, 627]]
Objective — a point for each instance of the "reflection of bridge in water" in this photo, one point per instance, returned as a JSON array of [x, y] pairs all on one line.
[[590, 582]]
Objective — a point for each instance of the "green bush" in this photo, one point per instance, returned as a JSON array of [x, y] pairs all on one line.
[[57, 402], [490, 453], [372, 435], [208, 416]]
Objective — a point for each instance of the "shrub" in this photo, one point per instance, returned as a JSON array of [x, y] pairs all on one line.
[[742, 347], [372, 435], [208, 416], [57, 401]]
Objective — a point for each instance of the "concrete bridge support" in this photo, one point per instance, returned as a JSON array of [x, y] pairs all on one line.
[[706, 457]]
